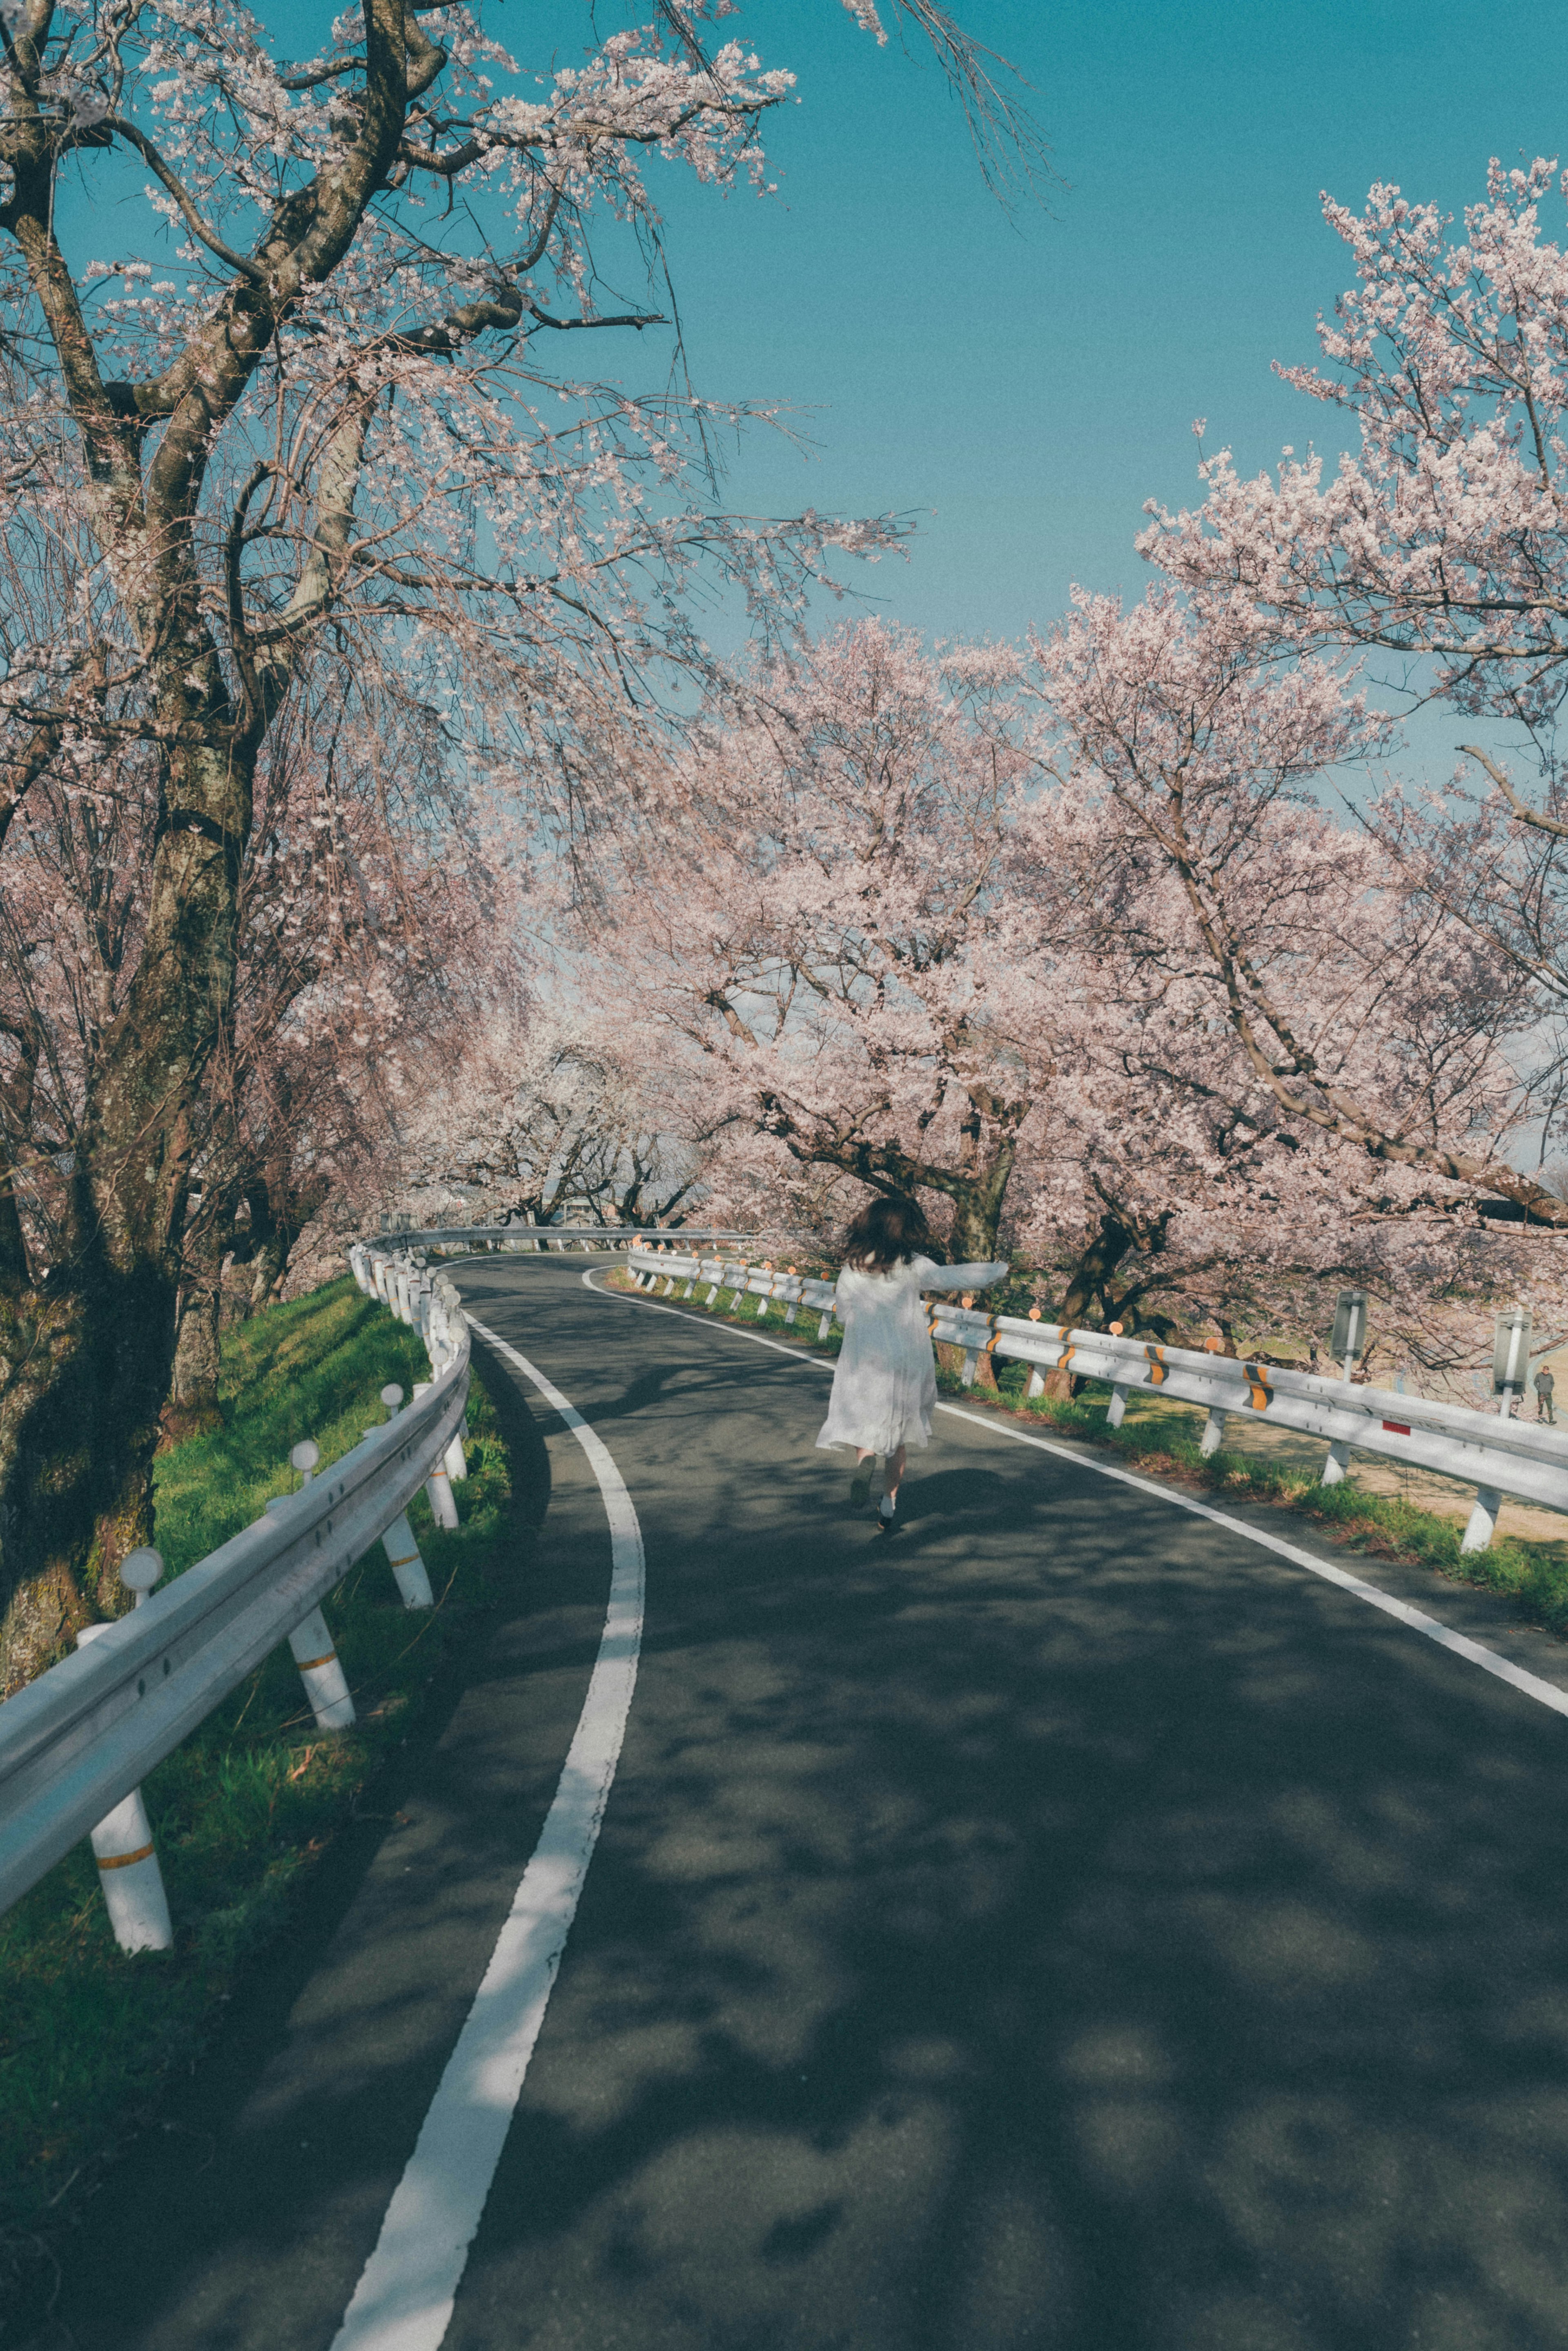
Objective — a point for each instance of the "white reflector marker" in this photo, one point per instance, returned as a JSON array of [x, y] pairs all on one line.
[[404, 2299]]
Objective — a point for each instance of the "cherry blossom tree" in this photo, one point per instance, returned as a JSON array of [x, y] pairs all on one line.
[[1200, 749], [1319, 1063], [1172, 1192], [906, 888], [826, 931], [542, 1115], [1438, 540], [309, 405]]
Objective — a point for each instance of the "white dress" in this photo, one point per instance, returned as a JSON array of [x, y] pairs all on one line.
[[884, 1384]]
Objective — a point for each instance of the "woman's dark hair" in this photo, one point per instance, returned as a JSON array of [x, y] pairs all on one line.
[[889, 1231]]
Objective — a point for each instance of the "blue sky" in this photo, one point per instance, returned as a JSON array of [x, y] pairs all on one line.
[[1023, 383], [1033, 380]]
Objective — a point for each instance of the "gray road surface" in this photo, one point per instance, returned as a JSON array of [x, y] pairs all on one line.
[[1060, 1928]]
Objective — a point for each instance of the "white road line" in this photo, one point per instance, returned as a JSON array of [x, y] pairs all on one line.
[[1546, 1693], [706, 1323], [404, 2299]]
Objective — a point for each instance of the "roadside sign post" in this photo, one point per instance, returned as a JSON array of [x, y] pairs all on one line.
[[1510, 1356], [1349, 1329]]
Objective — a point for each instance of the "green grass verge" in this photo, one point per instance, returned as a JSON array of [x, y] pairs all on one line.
[[250, 1801], [1164, 1440]]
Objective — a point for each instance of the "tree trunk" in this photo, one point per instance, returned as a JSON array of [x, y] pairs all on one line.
[[192, 1404], [977, 1214], [86, 1366], [1096, 1265], [86, 1357], [981, 1185]]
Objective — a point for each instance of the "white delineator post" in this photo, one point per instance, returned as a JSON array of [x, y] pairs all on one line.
[[311, 1644], [402, 1553], [438, 1485], [122, 1845]]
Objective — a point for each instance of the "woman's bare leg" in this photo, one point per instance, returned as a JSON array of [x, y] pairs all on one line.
[[892, 1473]]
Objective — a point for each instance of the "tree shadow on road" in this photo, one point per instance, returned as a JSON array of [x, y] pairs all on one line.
[[1061, 1928]]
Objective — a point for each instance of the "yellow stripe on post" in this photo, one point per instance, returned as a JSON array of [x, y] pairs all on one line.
[[121, 1860]]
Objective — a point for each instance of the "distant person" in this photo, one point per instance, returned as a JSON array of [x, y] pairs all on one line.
[[1544, 1383], [884, 1386]]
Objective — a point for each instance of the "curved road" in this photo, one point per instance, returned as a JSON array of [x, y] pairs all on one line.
[[1064, 1925]]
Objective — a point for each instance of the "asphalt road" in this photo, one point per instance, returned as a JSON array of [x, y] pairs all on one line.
[[1062, 1926]]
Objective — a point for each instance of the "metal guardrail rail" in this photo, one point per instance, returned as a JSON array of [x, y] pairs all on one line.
[[1495, 1455], [77, 1743], [446, 1236]]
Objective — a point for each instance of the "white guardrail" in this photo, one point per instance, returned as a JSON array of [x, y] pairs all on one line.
[[446, 1238], [1495, 1455], [75, 1744]]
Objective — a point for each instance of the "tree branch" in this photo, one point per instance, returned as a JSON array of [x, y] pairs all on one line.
[[1522, 809], [188, 213]]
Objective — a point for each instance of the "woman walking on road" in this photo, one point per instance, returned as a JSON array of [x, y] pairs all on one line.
[[884, 1386]]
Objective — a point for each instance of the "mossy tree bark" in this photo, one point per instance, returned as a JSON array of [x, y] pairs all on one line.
[[87, 1349]]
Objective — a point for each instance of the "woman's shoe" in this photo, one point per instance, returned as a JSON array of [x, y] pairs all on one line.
[[860, 1484], [887, 1510]]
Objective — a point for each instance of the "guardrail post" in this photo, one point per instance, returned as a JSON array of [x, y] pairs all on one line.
[[1482, 1523], [404, 1554], [407, 1564], [438, 1485], [1213, 1435], [1336, 1462], [122, 1845], [320, 1669], [1114, 1410], [311, 1643]]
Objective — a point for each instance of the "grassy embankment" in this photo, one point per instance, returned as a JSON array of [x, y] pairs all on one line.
[[1163, 1438], [244, 1807]]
